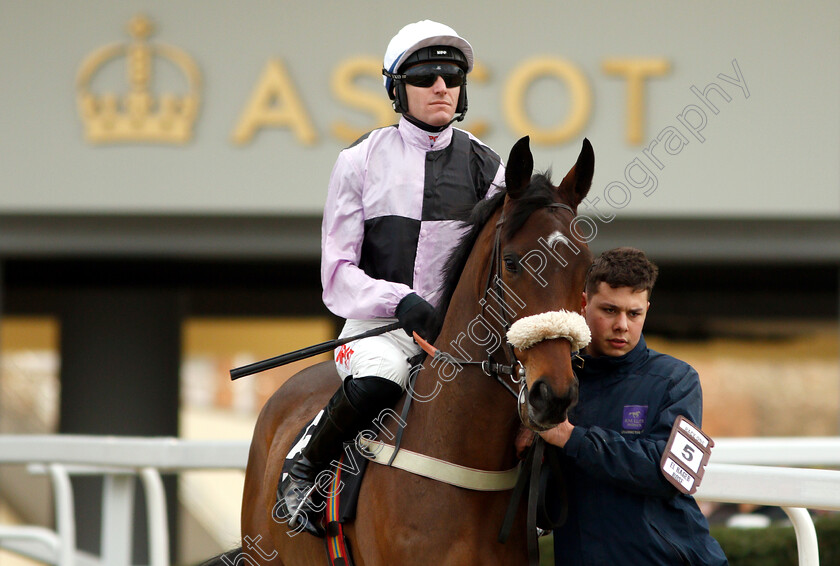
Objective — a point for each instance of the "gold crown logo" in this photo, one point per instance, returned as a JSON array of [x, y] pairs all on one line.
[[138, 116]]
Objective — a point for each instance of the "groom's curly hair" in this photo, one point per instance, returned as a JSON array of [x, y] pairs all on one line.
[[622, 267]]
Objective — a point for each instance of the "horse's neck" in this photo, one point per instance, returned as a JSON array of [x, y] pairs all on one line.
[[469, 420], [466, 416]]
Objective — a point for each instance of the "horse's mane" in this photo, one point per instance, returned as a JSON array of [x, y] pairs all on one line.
[[539, 194]]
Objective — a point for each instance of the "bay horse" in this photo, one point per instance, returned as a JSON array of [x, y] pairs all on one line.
[[525, 237]]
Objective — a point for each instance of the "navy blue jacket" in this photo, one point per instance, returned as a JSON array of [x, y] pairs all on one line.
[[622, 510]]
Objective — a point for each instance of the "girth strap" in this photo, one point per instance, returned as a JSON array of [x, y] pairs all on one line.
[[436, 469]]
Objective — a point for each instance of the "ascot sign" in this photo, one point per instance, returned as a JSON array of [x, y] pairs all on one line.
[[276, 102]]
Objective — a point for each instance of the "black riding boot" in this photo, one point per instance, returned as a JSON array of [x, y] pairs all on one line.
[[352, 407]]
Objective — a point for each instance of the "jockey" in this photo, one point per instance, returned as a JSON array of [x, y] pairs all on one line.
[[390, 221]]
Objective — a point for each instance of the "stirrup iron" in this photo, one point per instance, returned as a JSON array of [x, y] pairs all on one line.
[[299, 511]]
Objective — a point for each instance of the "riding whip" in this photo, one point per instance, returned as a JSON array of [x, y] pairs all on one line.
[[307, 352]]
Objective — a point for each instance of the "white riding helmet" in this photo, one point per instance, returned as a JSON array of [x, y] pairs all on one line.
[[411, 40]]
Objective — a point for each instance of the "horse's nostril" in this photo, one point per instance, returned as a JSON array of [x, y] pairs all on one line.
[[546, 403], [540, 396]]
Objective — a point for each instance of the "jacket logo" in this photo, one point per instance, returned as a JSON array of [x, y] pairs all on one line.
[[342, 355], [633, 418]]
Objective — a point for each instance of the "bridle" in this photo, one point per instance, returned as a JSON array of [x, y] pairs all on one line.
[[513, 369]]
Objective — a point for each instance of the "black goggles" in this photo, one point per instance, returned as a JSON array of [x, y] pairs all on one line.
[[426, 75]]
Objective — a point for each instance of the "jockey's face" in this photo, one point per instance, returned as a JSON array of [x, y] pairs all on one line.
[[434, 105]]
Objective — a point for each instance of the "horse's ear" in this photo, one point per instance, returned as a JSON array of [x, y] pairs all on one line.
[[519, 167], [578, 180]]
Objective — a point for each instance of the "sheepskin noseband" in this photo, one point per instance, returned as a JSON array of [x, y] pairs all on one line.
[[530, 330]]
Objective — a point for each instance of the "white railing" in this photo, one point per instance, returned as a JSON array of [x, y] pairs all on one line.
[[740, 475], [733, 476], [120, 460]]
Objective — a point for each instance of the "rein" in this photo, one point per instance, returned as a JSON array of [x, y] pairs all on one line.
[[489, 367]]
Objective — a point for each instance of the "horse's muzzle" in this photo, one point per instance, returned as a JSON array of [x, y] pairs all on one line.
[[546, 409]]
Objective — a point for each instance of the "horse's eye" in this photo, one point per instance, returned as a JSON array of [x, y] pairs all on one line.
[[511, 264]]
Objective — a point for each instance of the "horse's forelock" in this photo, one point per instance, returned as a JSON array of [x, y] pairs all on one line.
[[539, 194]]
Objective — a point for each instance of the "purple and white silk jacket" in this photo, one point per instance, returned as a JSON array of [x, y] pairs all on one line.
[[390, 216]]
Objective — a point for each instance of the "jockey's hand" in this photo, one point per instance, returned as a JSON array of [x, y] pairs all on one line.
[[414, 314]]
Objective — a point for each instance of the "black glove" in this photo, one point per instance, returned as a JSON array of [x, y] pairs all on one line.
[[414, 314]]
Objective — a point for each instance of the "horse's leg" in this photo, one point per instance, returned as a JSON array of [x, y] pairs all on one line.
[[266, 539]]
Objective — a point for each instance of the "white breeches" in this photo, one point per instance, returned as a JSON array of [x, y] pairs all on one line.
[[385, 355]]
